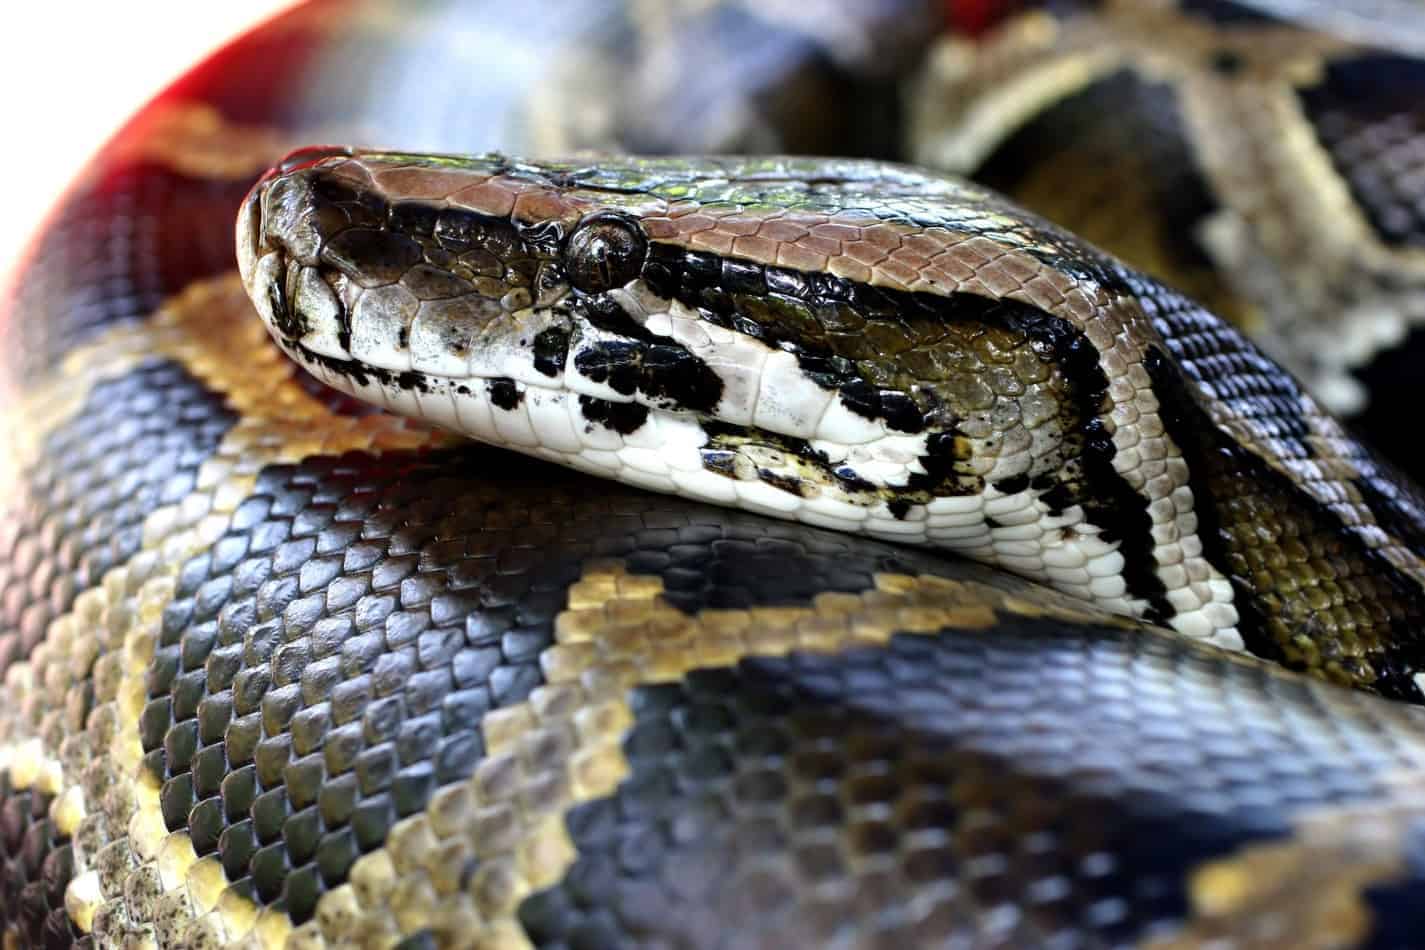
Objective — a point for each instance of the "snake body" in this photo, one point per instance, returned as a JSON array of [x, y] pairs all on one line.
[[286, 670], [1267, 168]]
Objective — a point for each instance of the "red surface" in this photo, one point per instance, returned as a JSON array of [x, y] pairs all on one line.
[[61, 112], [976, 16]]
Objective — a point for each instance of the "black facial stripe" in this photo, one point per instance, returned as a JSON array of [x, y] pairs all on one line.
[[659, 368], [727, 291], [449, 228], [1202, 443], [1107, 499], [416, 218], [705, 283], [359, 233], [459, 229], [343, 324], [896, 408], [550, 348], [291, 324], [371, 252], [621, 417], [364, 374], [776, 304], [946, 476], [603, 312]]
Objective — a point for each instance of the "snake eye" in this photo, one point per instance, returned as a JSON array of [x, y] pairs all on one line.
[[605, 251]]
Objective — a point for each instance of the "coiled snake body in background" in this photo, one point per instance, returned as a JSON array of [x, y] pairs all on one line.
[[283, 669]]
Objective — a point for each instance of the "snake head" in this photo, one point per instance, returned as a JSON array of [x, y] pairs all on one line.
[[454, 287], [850, 344], [683, 324], [466, 289], [451, 288], [370, 270]]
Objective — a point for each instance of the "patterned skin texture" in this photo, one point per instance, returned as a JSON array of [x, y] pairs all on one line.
[[283, 671], [861, 346], [1275, 173]]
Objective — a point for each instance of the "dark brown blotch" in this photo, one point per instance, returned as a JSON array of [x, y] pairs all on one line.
[[372, 257]]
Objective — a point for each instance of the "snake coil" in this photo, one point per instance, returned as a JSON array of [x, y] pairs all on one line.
[[1057, 614]]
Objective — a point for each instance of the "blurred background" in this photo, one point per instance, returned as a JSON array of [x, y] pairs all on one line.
[[74, 73]]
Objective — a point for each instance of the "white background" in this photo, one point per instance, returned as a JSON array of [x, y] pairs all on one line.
[[72, 72]]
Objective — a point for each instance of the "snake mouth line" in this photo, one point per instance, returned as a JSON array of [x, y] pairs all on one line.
[[530, 416]]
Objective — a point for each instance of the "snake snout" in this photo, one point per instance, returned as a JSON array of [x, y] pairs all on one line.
[[278, 259], [362, 268], [248, 235]]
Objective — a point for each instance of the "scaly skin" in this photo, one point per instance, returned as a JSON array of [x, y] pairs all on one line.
[[860, 346], [285, 670]]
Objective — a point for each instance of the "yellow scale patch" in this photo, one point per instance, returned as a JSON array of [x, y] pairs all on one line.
[[562, 746], [1307, 890], [559, 748]]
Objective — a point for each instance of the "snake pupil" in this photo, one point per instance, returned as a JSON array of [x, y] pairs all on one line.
[[605, 251]]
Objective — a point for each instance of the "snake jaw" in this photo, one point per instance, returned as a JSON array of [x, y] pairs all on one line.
[[341, 276]]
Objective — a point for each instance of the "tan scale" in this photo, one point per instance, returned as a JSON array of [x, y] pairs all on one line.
[[29, 767], [1257, 150], [195, 139], [124, 609], [101, 791], [280, 423]]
